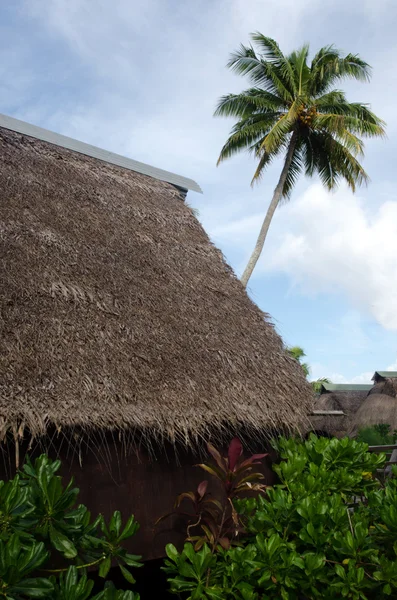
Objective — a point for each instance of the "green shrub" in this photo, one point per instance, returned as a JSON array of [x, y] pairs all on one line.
[[41, 524], [378, 435], [308, 537]]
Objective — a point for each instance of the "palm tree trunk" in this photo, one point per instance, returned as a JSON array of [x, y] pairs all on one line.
[[278, 192]]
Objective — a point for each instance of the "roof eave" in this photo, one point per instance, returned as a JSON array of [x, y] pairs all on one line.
[[183, 183]]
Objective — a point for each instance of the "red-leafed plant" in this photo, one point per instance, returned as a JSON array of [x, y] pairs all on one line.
[[214, 520]]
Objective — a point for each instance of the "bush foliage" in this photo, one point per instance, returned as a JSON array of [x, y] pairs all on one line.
[[327, 530], [40, 525], [377, 435]]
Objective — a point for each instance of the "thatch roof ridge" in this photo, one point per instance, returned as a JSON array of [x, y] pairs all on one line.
[[119, 313]]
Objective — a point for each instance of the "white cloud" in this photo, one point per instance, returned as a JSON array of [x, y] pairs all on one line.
[[158, 68], [331, 243]]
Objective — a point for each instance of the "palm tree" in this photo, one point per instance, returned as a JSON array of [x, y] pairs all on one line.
[[298, 353], [293, 110], [318, 384]]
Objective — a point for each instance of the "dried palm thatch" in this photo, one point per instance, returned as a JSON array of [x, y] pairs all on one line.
[[346, 401], [328, 424], [377, 409], [380, 407], [386, 386], [349, 401], [119, 314]]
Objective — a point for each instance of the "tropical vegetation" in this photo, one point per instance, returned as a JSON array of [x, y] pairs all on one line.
[[327, 530], [211, 520], [41, 525], [294, 109], [298, 354], [377, 435]]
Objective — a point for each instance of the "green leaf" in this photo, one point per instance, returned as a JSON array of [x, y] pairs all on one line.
[[172, 552], [37, 587], [62, 543], [115, 523], [104, 567], [133, 560], [71, 579], [130, 528], [387, 589], [126, 574], [212, 470], [340, 571], [215, 593]]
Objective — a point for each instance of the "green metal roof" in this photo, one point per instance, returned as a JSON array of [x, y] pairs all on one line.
[[391, 374], [347, 387]]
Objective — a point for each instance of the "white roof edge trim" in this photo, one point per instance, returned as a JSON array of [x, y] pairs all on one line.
[[115, 159]]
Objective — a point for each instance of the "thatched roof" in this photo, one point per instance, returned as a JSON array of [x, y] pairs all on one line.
[[377, 409], [385, 386], [338, 397], [118, 312], [380, 406]]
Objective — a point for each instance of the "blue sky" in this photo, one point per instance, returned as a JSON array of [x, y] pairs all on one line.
[[142, 78]]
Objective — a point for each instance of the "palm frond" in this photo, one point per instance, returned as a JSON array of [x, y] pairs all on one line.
[[245, 62], [356, 118], [282, 127], [247, 132], [332, 160], [353, 67], [298, 60], [328, 67], [268, 47], [319, 69], [277, 134], [270, 51], [331, 98], [266, 74], [294, 171], [249, 101], [351, 142], [265, 159]]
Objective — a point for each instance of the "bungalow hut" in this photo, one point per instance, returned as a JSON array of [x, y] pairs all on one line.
[[335, 407], [385, 382], [380, 406], [126, 340]]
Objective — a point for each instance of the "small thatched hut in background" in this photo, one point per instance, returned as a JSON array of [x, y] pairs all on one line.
[[126, 339], [385, 382], [335, 407], [380, 406]]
